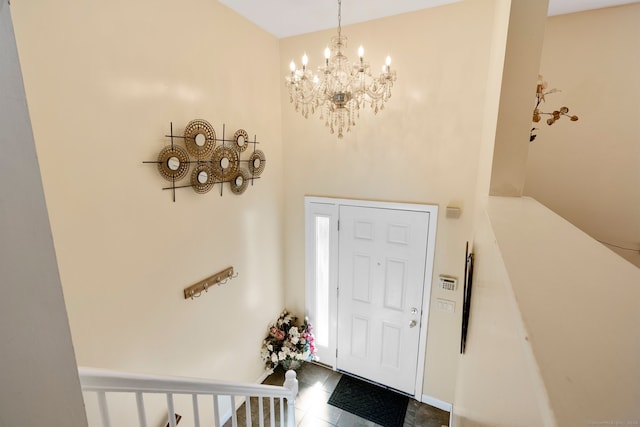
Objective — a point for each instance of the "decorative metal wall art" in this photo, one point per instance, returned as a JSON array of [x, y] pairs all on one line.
[[215, 160]]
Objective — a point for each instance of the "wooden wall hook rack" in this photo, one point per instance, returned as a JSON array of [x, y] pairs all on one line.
[[220, 278]]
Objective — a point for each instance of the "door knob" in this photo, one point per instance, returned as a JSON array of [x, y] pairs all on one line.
[[412, 324], [414, 310]]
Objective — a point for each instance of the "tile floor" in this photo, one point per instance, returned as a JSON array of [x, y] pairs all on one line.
[[316, 383]]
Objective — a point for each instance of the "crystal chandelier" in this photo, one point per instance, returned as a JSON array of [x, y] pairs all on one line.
[[339, 90]]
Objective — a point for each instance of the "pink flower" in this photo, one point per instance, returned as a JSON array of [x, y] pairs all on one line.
[[276, 333]]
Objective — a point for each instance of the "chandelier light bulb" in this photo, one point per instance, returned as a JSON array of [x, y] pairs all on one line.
[[292, 66], [327, 53], [361, 52], [305, 60]]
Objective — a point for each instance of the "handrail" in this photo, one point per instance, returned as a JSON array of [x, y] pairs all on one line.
[[106, 381]]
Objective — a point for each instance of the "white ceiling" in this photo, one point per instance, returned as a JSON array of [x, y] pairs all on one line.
[[284, 18]]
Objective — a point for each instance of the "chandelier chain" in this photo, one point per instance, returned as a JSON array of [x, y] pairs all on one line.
[[339, 18]]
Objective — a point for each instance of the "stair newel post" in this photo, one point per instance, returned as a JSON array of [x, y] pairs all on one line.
[[291, 383]]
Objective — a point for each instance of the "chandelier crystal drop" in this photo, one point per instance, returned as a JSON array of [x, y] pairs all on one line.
[[339, 89]]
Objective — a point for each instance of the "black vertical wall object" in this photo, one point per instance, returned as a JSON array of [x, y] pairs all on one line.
[[466, 305]]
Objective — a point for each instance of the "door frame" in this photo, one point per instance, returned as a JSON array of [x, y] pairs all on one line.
[[432, 210]]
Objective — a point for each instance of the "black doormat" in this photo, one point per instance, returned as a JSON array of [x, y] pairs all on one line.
[[374, 403]]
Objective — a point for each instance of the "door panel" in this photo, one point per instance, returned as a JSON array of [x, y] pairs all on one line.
[[394, 284], [381, 274], [362, 278], [359, 337], [391, 335]]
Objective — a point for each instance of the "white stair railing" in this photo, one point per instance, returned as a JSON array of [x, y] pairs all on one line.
[[103, 382]]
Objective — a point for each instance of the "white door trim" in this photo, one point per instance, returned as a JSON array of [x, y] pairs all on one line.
[[428, 276]]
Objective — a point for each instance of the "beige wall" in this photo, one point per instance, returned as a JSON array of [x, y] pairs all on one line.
[[103, 81], [543, 326], [422, 148], [588, 171], [38, 369], [522, 58], [498, 383], [582, 332]]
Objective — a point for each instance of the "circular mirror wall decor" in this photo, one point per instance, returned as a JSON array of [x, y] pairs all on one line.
[[241, 139], [202, 178], [199, 138], [257, 163], [225, 162], [240, 182], [173, 163]]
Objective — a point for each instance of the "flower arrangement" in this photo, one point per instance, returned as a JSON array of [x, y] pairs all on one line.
[[288, 344], [541, 91]]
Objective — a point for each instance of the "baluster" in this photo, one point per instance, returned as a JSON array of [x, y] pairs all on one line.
[[272, 411], [104, 409], [261, 411], [281, 412], [291, 413], [291, 383], [247, 405], [142, 419], [216, 410], [171, 410], [196, 410], [234, 415]]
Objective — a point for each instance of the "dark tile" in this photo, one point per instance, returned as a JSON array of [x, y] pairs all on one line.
[[350, 420], [324, 411], [332, 381], [309, 396], [311, 375], [316, 383], [276, 378], [428, 416], [310, 421]]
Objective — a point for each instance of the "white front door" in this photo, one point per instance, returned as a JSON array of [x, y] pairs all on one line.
[[381, 277]]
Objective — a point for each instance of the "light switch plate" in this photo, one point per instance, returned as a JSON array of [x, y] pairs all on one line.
[[446, 305]]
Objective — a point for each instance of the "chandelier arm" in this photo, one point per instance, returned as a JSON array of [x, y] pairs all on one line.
[[381, 94]]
